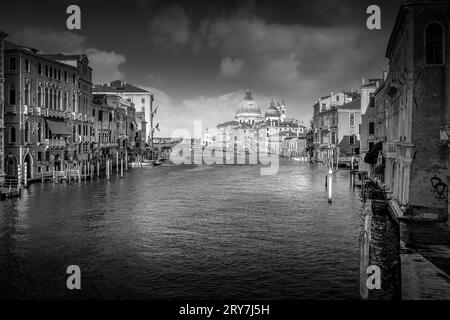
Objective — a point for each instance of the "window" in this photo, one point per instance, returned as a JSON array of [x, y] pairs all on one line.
[[372, 101], [27, 94], [143, 100], [352, 139], [337, 98], [371, 128], [50, 72], [352, 119], [434, 43], [39, 97], [59, 74], [39, 156], [39, 69], [73, 78], [12, 94], [65, 101], [27, 65], [27, 132], [12, 136], [65, 76], [12, 64], [46, 71]]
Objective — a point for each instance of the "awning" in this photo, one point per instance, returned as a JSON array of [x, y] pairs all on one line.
[[58, 128], [372, 155]]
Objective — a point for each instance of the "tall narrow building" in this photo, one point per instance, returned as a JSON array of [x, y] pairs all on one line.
[[2, 111], [417, 94]]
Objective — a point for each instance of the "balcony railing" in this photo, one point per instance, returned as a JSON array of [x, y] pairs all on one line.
[[55, 143], [390, 147], [11, 109]]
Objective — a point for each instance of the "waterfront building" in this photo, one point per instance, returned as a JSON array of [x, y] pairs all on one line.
[[368, 114], [142, 101], [115, 127], [416, 101], [292, 145], [336, 123], [251, 129], [47, 122], [2, 107]]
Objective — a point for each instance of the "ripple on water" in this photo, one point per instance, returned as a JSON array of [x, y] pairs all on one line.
[[186, 232]]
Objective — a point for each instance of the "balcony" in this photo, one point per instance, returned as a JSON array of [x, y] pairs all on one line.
[[390, 148], [28, 110], [11, 109], [55, 143]]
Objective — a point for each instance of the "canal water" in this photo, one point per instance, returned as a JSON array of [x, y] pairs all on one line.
[[205, 232]]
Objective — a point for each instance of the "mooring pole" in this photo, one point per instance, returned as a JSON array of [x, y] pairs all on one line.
[[121, 168], [107, 169], [330, 185], [25, 173]]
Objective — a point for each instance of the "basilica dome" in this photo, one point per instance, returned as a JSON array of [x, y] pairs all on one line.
[[249, 106], [272, 111]]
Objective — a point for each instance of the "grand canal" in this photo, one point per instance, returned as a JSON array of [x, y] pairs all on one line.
[[185, 232]]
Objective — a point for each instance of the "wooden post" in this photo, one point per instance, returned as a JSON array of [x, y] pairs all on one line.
[[364, 264], [117, 161], [53, 173], [330, 185], [363, 186], [351, 165], [121, 168], [42, 174], [25, 174], [107, 169], [326, 177], [126, 160], [98, 169], [364, 246]]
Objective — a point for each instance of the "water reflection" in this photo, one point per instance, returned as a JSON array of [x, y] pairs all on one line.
[[185, 232]]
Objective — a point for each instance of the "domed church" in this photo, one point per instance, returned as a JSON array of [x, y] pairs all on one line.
[[248, 111], [250, 124]]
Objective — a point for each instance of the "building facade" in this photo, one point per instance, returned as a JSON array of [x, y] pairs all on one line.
[[115, 127], [47, 122], [143, 105], [368, 115], [416, 100], [252, 130], [336, 125], [2, 108]]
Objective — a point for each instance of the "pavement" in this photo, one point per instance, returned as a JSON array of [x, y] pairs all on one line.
[[425, 260]]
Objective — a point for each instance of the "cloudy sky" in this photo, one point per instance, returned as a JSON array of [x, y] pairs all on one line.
[[198, 56]]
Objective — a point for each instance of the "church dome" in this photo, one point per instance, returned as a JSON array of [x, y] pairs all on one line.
[[272, 111], [249, 106]]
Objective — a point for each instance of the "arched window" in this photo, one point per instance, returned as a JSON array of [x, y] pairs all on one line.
[[12, 94], [73, 103], [434, 44], [12, 136]]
